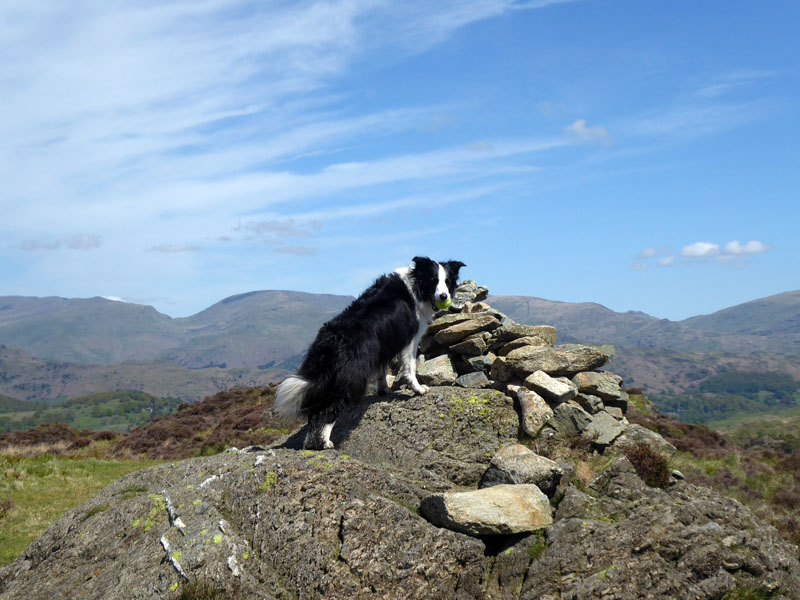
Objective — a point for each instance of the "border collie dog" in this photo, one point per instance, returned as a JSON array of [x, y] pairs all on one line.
[[386, 321]]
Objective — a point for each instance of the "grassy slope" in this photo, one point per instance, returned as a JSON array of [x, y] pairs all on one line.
[[118, 411], [765, 478], [36, 490], [48, 470]]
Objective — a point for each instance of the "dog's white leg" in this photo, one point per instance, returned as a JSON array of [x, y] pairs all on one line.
[[326, 435], [382, 384], [408, 368]]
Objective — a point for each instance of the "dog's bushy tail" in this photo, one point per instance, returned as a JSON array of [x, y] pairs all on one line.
[[301, 396], [289, 399]]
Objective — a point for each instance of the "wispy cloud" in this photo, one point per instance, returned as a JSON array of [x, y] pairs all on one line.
[[278, 227], [730, 82], [595, 134], [79, 241], [174, 248], [296, 250]]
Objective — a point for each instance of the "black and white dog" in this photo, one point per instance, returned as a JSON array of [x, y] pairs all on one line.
[[386, 321]]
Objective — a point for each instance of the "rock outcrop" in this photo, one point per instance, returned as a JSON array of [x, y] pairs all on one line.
[[466, 492]]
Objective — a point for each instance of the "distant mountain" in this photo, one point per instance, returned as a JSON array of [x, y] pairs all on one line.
[[257, 329], [767, 325], [27, 378], [85, 330], [135, 347], [772, 316]]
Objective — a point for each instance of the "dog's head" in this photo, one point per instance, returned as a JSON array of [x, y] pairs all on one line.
[[433, 280]]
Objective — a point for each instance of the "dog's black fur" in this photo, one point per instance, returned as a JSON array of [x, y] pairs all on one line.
[[385, 321]]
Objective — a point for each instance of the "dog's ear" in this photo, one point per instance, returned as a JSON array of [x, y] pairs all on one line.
[[452, 267], [419, 261]]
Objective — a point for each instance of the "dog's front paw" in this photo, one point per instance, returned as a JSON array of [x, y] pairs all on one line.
[[421, 389], [327, 445]]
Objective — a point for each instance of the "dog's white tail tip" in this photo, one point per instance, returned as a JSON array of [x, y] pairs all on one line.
[[289, 397]]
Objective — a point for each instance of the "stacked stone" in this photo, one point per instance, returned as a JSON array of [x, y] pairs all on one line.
[[558, 387], [559, 392]]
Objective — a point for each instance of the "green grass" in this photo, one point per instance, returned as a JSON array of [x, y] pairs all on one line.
[[774, 416], [118, 411], [40, 489]]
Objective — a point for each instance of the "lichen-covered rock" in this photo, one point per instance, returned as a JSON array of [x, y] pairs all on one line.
[[589, 403], [501, 370], [446, 437], [603, 430], [555, 361], [297, 524], [474, 345], [451, 319], [516, 464], [626, 540], [345, 523], [515, 331], [460, 331], [497, 510], [604, 385], [569, 420], [530, 340], [482, 363]]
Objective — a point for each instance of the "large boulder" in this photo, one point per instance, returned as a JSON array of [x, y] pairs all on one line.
[[346, 523], [273, 524], [499, 510], [446, 437]]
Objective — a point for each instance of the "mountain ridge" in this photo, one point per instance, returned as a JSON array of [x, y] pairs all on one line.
[[264, 330]]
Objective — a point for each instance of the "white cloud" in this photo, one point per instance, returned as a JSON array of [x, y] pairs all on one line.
[[751, 247], [640, 266], [700, 250], [595, 134], [647, 253], [666, 261]]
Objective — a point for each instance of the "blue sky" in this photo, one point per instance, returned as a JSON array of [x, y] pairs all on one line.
[[639, 154]]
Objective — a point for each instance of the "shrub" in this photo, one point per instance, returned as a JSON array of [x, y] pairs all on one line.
[[649, 464], [788, 498], [5, 506]]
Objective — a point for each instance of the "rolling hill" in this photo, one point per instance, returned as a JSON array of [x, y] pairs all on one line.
[[91, 345], [27, 378], [770, 325], [257, 329], [676, 356]]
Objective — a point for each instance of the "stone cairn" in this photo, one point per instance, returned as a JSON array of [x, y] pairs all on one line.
[[559, 391]]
